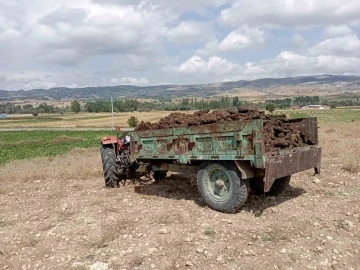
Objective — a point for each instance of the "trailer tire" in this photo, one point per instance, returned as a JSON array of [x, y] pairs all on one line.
[[234, 190], [280, 184], [108, 159]]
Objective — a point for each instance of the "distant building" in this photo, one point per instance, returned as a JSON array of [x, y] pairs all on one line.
[[316, 107], [3, 116]]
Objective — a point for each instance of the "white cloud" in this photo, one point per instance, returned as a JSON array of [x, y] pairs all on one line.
[[197, 66], [337, 30], [189, 32], [237, 40], [70, 34], [172, 5], [90, 42], [291, 13], [242, 38], [348, 45], [130, 81], [287, 63], [64, 15]]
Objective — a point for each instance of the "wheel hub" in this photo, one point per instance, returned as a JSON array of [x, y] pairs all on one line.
[[218, 185]]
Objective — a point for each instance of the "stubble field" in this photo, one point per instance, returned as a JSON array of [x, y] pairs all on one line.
[[81, 120], [56, 214]]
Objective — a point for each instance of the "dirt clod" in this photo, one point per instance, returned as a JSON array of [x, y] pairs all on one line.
[[279, 132]]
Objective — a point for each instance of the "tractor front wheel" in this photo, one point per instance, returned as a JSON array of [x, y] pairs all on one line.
[[108, 158]]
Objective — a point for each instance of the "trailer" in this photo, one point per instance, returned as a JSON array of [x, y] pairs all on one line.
[[228, 159]]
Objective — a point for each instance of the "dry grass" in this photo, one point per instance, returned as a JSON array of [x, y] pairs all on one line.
[[341, 145], [79, 164]]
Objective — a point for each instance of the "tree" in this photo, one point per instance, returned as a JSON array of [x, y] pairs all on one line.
[[35, 113], [75, 106], [132, 121], [332, 105], [270, 107]]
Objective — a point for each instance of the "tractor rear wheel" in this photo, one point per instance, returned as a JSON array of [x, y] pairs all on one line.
[[221, 187], [108, 158]]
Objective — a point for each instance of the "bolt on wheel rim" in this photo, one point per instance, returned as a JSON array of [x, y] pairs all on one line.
[[218, 185]]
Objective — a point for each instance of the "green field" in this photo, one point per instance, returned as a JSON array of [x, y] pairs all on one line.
[[16, 145], [325, 116]]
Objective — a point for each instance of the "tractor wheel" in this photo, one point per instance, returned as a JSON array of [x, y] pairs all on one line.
[[108, 159], [221, 187], [280, 184], [159, 175]]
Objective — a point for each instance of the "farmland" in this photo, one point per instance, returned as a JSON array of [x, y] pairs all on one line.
[[70, 120], [30, 144], [56, 213], [16, 145]]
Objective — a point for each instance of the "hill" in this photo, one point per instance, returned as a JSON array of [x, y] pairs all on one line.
[[267, 87]]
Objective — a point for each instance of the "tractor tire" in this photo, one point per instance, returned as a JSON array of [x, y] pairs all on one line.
[[159, 176], [108, 158], [280, 184], [233, 193]]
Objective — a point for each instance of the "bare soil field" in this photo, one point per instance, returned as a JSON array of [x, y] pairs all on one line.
[[56, 214]]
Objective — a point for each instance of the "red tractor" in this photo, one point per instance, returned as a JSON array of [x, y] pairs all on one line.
[[117, 164]]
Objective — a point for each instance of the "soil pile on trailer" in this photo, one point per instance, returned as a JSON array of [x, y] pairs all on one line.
[[279, 132]]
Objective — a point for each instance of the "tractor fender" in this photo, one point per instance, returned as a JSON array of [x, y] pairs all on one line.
[[109, 140]]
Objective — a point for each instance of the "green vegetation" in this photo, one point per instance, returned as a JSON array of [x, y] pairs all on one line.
[[167, 104], [270, 107], [75, 106], [21, 145], [131, 105], [334, 115], [133, 121], [297, 114], [46, 118]]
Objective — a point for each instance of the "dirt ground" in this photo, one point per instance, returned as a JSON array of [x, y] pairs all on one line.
[[56, 214]]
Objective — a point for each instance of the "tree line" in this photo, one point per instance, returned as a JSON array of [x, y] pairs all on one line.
[[312, 100], [130, 105]]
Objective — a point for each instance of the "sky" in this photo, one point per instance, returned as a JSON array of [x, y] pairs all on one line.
[[67, 43]]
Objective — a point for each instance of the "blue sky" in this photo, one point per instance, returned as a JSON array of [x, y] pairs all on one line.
[[67, 43]]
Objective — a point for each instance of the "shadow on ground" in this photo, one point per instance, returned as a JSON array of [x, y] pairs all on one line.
[[183, 187]]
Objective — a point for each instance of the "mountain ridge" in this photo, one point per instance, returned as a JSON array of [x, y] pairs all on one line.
[[263, 86]]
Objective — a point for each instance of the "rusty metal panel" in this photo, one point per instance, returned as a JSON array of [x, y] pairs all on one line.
[[221, 141], [307, 126], [290, 162]]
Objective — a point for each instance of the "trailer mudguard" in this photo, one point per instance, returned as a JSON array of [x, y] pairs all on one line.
[[290, 162]]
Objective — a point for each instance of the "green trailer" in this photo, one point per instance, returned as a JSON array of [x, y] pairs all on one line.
[[228, 159]]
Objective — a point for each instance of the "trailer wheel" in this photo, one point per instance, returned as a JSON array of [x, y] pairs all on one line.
[[108, 160], [221, 187], [280, 184]]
